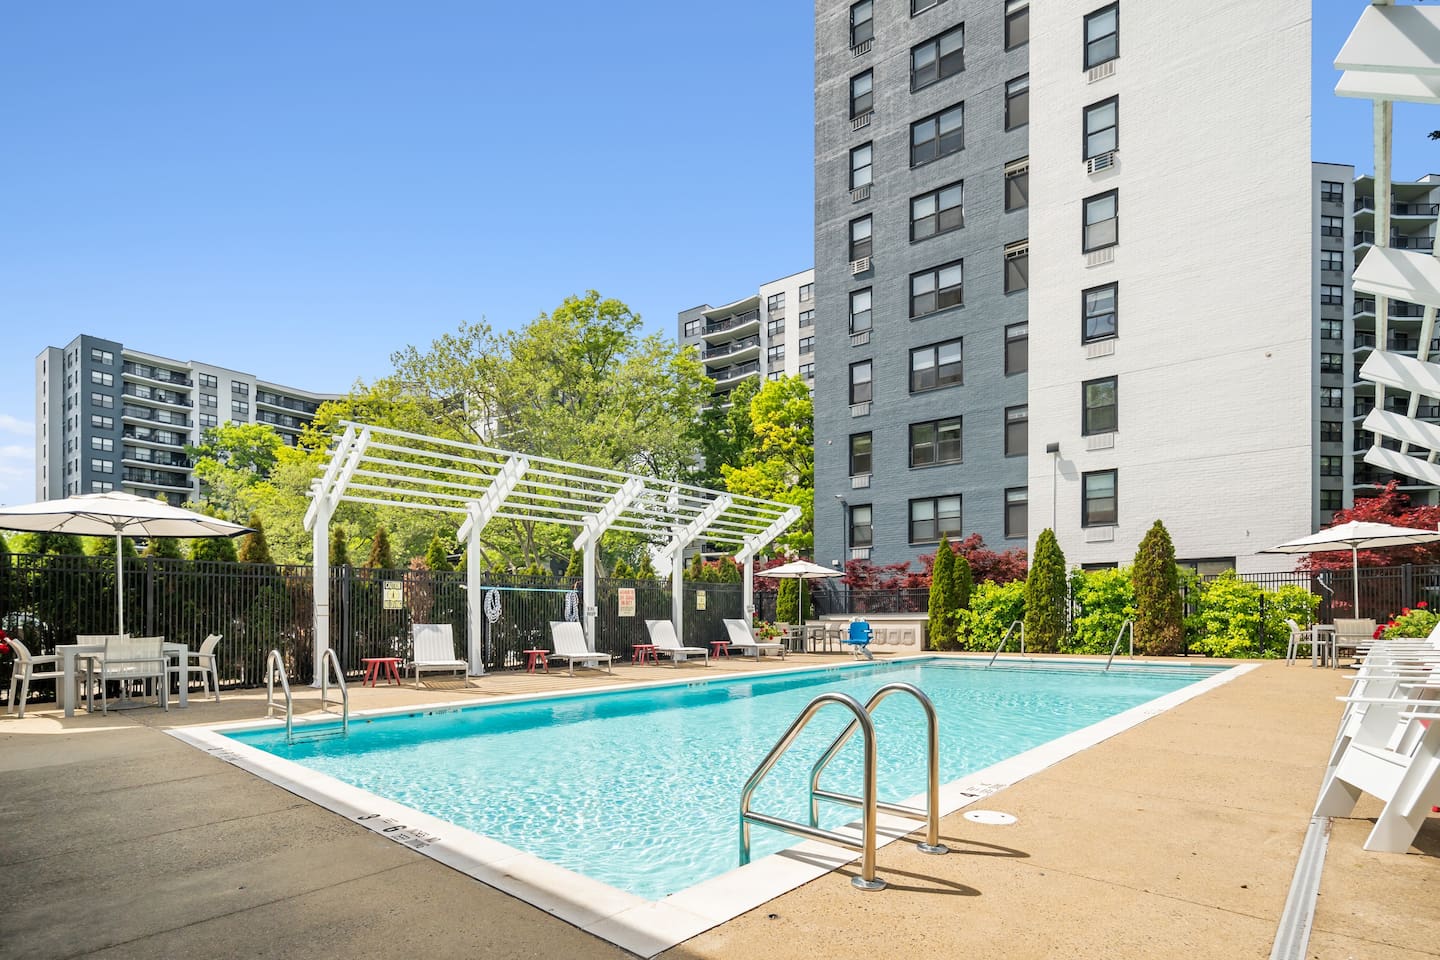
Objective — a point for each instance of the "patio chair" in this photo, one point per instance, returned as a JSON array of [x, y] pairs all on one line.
[[205, 663], [128, 660], [1351, 635], [433, 650], [26, 669], [570, 646], [743, 640], [1306, 637], [662, 635], [858, 639]]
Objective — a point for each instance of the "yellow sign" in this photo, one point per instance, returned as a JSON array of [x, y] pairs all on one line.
[[394, 591], [627, 601], [699, 599]]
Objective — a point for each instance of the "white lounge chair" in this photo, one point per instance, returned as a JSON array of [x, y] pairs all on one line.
[[742, 639], [25, 671], [570, 646], [434, 650], [662, 634], [203, 662]]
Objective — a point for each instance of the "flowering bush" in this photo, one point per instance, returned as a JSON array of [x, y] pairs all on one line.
[[765, 631], [1417, 622]]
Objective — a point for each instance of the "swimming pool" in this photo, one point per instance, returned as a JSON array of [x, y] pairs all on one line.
[[640, 789]]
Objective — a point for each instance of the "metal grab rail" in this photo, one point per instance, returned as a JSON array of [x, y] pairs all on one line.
[[867, 879], [273, 663], [931, 813], [1127, 626], [1006, 639], [328, 658]]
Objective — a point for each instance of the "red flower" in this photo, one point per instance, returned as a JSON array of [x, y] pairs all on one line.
[[1376, 634], [1405, 612], [1422, 604]]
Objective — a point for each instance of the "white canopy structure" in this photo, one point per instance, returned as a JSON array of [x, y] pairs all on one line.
[[378, 465], [1394, 54]]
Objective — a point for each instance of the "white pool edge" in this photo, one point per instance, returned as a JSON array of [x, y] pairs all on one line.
[[646, 927]]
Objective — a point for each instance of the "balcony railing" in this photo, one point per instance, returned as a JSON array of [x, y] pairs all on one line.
[[289, 403], [1398, 308], [156, 373], [157, 416], [160, 458], [737, 371], [1398, 241], [159, 478], [1398, 342], [725, 349], [147, 435], [280, 420], [141, 392], [728, 323]]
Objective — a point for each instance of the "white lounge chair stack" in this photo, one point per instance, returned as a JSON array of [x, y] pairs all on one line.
[[662, 635], [742, 639], [434, 650], [570, 646]]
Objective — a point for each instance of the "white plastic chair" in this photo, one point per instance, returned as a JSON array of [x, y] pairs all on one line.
[[1303, 637], [205, 663], [743, 640], [434, 650], [127, 659], [25, 670], [662, 635], [570, 646]]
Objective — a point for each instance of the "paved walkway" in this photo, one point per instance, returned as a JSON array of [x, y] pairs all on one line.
[[1177, 838]]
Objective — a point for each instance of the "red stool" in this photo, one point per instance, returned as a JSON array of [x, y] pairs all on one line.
[[643, 650], [534, 656], [372, 670], [720, 648]]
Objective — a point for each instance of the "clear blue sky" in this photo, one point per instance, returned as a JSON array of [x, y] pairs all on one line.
[[297, 190]]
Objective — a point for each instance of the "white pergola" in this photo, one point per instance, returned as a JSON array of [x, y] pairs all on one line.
[[378, 465], [1394, 54]]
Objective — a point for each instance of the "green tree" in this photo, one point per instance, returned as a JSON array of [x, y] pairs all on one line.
[[436, 557], [339, 548], [942, 595], [105, 547], [230, 458], [253, 546], [780, 464], [787, 602], [576, 566], [380, 557], [213, 548], [964, 580], [49, 544], [621, 570], [723, 435], [645, 569], [1045, 596], [1159, 610], [697, 567], [167, 548]]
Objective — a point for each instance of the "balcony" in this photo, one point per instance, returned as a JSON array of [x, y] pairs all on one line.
[[733, 347], [1398, 241], [156, 395], [737, 372], [1398, 308], [1398, 208], [156, 478], [266, 398], [158, 374], [734, 325], [283, 421], [158, 458], [155, 416], [166, 438]]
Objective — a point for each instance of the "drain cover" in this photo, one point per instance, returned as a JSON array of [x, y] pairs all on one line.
[[993, 817]]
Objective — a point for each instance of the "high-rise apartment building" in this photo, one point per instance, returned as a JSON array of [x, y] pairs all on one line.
[[109, 417], [1054, 326], [766, 335]]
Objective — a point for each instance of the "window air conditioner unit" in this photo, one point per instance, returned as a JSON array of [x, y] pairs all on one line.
[[858, 267], [1106, 69], [862, 121], [860, 193], [1101, 161]]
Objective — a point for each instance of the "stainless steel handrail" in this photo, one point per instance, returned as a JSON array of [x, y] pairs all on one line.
[[273, 663], [327, 659], [867, 879], [931, 813], [1006, 639], [1127, 626]]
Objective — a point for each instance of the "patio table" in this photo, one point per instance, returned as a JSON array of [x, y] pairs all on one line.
[[66, 687]]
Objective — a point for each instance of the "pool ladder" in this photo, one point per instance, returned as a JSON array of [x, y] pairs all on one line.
[[868, 802], [275, 665], [1006, 639]]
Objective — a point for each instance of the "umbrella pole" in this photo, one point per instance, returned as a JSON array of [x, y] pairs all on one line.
[[119, 586], [1355, 577]]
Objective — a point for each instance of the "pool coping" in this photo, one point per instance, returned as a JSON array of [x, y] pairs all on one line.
[[631, 922]]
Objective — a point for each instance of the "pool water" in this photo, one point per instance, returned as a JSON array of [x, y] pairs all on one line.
[[641, 789]]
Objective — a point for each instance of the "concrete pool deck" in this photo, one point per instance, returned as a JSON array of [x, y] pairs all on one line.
[[1178, 837]]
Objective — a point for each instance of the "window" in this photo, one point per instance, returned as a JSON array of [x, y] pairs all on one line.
[[1017, 23], [1332, 260], [1017, 184], [1100, 406], [775, 304], [807, 345], [1102, 36], [101, 486], [1332, 226], [1332, 329], [776, 353], [239, 408], [209, 420], [1332, 397], [937, 212], [1330, 432], [102, 356], [938, 441], [102, 378], [692, 327], [920, 6], [806, 319], [1332, 466], [208, 380], [102, 466], [860, 310], [807, 292], [1017, 348], [1331, 363], [102, 423], [860, 242], [862, 22], [1102, 128], [776, 327], [1017, 102], [861, 386], [862, 530], [1331, 500], [102, 443], [860, 161], [937, 58], [933, 518], [935, 366], [938, 135], [238, 389], [1017, 512], [807, 370], [208, 400], [102, 400], [774, 375], [1102, 221], [862, 94], [1099, 313], [934, 290], [1331, 191], [1332, 294], [861, 449], [1097, 504], [1017, 266], [1017, 430]]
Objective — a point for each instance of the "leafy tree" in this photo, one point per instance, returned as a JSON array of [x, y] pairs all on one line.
[[964, 580], [621, 570], [942, 595], [105, 547], [1159, 610], [697, 567], [1388, 506], [436, 557], [213, 548], [724, 435], [787, 602], [49, 544], [339, 548], [167, 548], [1045, 596], [230, 458], [576, 566], [645, 570], [253, 547], [781, 463], [380, 557]]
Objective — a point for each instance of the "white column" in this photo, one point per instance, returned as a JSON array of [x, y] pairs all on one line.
[[588, 558], [474, 601], [320, 568], [677, 594], [749, 595]]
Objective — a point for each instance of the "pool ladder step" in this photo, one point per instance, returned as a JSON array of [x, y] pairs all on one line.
[[275, 666], [868, 801]]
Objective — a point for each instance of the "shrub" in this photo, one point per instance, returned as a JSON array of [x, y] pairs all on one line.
[[1104, 600], [993, 607], [1289, 602], [1045, 596], [942, 595], [1159, 627], [1411, 623], [381, 557], [964, 578], [787, 602]]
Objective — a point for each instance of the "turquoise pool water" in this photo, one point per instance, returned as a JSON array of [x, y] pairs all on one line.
[[641, 789]]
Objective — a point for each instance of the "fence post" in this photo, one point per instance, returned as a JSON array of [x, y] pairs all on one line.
[[149, 596], [1260, 627], [1407, 586]]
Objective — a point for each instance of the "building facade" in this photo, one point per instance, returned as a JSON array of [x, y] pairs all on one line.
[[109, 417], [763, 336]]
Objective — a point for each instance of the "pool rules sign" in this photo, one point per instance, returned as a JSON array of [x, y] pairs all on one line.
[[627, 601], [394, 594]]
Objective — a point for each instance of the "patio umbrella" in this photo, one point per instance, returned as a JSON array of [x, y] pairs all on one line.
[[1357, 535], [119, 515], [801, 570]]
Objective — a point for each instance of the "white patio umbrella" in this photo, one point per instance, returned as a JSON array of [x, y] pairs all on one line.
[[801, 570], [1357, 535], [119, 515]]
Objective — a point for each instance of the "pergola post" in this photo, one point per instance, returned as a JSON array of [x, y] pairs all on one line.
[[674, 551], [592, 609], [748, 598], [474, 601], [320, 572], [754, 545], [677, 593]]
